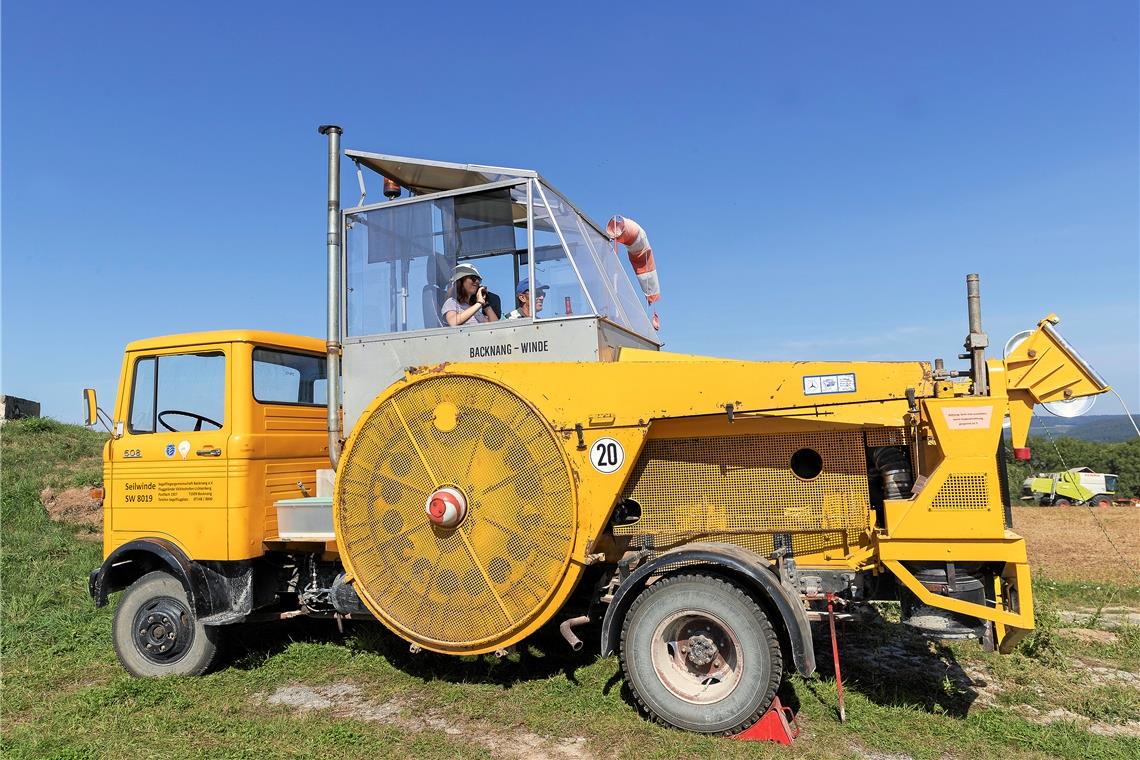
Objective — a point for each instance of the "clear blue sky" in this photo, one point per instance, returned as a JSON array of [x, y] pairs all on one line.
[[816, 178]]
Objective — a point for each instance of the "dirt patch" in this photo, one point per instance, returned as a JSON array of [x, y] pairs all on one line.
[[1106, 617], [1088, 635], [1061, 715], [75, 506], [348, 701], [1068, 543]]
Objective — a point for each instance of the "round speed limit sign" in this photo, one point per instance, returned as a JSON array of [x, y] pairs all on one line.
[[607, 455]]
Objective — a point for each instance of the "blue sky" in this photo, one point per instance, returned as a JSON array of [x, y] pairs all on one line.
[[816, 179]]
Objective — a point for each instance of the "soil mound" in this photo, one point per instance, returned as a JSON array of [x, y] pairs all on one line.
[[75, 506]]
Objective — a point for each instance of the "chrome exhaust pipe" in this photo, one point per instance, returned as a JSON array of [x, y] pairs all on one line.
[[332, 339]]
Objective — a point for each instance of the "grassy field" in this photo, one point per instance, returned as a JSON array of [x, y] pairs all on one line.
[[304, 690]]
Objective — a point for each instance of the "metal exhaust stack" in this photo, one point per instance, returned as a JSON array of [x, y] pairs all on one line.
[[977, 340], [332, 341]]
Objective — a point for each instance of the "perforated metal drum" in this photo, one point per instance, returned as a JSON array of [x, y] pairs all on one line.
[[441, 442]]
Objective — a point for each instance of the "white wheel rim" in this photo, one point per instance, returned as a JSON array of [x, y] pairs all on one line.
[[697, 657]]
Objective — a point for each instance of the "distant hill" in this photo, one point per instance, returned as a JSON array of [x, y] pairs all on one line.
[[1098, 428]]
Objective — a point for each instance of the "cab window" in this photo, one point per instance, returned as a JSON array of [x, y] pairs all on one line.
[[283, 377], [178, 393]]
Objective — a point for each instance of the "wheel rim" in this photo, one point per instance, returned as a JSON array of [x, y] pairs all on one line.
[[697, 657], [163, 630]]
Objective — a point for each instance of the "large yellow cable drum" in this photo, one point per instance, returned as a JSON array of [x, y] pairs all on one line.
[[478, 583]]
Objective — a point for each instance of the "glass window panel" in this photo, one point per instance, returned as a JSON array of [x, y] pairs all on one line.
[[400, 258], [607, 283], [283, 377], [553, 268], [619, 278], [195, 384], [142, 397]]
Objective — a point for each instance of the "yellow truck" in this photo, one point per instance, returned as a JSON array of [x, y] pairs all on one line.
[[467, 485]]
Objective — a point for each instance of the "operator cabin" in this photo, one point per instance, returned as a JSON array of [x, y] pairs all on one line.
[[513, 228]]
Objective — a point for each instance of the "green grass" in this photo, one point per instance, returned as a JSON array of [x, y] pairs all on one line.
[[1086, 595], [65, 696]]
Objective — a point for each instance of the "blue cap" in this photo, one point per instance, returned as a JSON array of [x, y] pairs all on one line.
[[524, 286]]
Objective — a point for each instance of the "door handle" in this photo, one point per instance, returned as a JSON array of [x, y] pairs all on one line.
[[209, 452]]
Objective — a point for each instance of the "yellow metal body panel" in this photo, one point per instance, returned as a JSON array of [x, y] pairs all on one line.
[[960, 497], [706, 448], [216, 508], [707, 444], [687, 400], [1039, 370]]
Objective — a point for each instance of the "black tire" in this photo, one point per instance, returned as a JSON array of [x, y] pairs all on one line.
[[1061, 501], [156, 633], [1100, 500], [700, 609]]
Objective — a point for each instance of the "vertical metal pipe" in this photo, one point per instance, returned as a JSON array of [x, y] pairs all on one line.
[[974, 302], [332, 340], [835, 657], [530, 275], [977, 342]]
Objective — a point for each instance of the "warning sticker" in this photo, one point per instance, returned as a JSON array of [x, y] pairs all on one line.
[[815, 385], [968, 417]]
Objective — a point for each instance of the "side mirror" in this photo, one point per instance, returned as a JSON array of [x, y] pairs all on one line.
[[92, 407]]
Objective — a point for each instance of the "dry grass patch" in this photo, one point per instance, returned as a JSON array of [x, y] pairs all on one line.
[[1068, 543]]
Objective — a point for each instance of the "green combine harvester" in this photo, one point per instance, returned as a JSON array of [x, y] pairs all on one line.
[[1078, 485]]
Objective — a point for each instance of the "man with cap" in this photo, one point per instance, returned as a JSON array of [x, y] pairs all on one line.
[[468, 302], [522, 292]]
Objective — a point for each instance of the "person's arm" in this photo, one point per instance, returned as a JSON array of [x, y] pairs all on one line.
[[456, 318]]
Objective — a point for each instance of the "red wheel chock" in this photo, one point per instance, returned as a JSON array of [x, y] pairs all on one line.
[[777, 725]]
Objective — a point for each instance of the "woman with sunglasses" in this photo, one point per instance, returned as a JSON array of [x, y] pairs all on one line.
[[468, 302]]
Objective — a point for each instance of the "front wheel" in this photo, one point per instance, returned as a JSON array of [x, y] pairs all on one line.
[[156, 633], [699, 654], [1100, 500]]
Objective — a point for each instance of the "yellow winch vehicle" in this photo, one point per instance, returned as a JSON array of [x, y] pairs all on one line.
[[467, 485]]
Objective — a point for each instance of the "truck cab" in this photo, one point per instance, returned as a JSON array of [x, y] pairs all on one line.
[[209, 430]]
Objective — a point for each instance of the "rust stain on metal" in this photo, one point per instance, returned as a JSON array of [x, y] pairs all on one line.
[[424, 369]]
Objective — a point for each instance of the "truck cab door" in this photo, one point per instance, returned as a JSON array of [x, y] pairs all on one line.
[[170, 464]]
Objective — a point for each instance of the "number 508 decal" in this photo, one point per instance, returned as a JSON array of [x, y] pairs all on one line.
[[607, 455]]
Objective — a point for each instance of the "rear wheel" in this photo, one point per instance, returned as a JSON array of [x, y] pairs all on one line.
[[156, 633], [699, 654], [1061, 501], [1100, 500]]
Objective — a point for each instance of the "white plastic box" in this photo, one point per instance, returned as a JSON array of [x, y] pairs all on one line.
[[308, 519]]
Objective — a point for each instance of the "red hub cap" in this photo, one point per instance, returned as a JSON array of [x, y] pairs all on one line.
[[446, 507]]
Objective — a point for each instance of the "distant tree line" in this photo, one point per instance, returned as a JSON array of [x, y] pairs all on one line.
[[1121, 459]]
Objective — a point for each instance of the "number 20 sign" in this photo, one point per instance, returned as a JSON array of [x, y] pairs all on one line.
[[607, 455]]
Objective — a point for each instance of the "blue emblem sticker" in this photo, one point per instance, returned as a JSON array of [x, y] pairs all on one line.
[[170, 451]]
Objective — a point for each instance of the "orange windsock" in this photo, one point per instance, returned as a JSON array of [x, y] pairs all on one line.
[[629, 233]]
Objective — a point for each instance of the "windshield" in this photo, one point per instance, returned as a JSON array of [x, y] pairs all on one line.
[[401, 259]]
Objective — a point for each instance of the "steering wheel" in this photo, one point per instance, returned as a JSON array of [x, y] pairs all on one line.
[[197, 425]]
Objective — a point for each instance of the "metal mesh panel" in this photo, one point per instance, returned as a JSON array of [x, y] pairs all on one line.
[[494, 572], [742, 489], [963, 491], [894, 436]]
